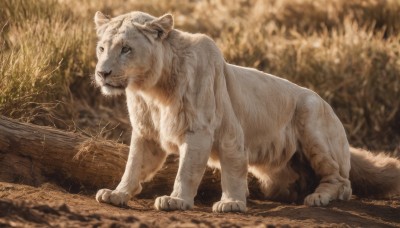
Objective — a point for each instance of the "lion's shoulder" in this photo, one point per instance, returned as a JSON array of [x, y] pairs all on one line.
[[199, 44]]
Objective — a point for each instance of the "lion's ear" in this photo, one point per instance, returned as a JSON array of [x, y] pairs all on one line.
[[161, 26], [100, 19]]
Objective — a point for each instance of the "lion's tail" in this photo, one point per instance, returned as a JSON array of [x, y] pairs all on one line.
[[375, 175]]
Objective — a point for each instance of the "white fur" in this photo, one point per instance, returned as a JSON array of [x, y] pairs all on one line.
[[184, 98]]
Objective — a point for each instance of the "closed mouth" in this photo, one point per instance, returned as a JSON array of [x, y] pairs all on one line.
[[114, 86]]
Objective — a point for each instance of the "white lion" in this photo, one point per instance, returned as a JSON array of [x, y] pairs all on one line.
[[184, 98]]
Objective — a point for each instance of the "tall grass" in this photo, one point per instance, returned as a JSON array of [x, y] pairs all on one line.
[[43, 51], [346, 50]]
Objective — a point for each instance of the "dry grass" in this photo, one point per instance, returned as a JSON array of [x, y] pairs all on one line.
[[44, 50], [346, 50]]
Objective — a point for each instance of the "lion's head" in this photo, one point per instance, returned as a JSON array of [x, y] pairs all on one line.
[[130, 50]]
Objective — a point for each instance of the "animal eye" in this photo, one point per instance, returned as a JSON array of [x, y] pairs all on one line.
[[101, 49], [125, 50]]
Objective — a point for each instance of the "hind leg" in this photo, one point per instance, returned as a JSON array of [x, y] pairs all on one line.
[[326, 148], [334, 175], [332, 185]]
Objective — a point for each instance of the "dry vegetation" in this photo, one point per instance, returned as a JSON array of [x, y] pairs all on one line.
[[346, 50]]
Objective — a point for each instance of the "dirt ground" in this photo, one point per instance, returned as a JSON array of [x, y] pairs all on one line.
[[50, 205]]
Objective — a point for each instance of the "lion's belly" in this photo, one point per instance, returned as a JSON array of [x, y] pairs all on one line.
[[272, 149], [265, 151]]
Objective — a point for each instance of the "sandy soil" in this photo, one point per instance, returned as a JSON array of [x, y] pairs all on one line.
[[50, 205]]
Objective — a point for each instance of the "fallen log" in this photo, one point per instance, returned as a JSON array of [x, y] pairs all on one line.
[[32, 154]]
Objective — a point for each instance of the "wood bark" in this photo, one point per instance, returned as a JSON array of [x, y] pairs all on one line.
[[33, 154]]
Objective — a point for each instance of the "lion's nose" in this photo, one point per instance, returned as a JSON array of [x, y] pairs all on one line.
[[104, 74]]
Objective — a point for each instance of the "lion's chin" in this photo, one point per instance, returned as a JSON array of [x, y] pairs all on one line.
[[109, 90]]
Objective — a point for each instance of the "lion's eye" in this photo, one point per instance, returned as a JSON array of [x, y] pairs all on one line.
[[101, 49], [125, 50]]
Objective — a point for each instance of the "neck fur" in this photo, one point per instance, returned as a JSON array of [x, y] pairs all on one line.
[[166, 88]]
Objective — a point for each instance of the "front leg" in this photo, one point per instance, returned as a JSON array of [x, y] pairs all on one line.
[[144, 160], [234, 165], [194, 153]]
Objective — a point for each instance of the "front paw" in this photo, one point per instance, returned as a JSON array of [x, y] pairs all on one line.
[[229, 206], [317, 199], [113, 197], [169, 203]]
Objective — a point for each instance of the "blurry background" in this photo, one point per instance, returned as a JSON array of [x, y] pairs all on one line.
[[348, 51]]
